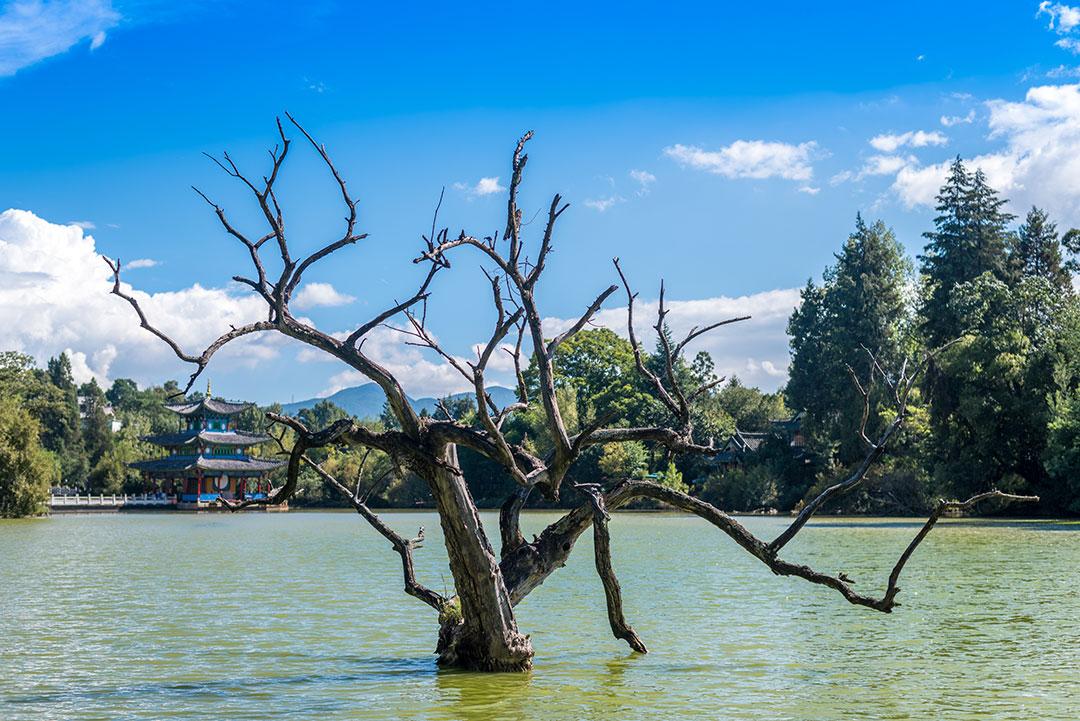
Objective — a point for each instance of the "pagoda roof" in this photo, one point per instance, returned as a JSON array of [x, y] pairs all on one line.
[[204, 463], [216, 438], [208, 404]]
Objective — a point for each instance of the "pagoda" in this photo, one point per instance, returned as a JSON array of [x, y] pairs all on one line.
[[208, 457]]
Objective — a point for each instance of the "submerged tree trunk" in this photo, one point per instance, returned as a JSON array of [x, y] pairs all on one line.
[[479, 630]]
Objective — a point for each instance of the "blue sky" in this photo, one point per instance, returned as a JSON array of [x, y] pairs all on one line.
[[725, 149]]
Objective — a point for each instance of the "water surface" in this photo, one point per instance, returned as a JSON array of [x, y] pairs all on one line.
[[301, 616]]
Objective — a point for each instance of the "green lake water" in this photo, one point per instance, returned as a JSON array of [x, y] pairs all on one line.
[[301, 616]]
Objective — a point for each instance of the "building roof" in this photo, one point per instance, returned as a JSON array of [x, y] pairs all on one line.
[[208, 405], [214, 438], [747, 440], [174, 464]]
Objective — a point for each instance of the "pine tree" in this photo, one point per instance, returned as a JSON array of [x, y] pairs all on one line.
[[1036, 252], [861, 305], [969, 238]]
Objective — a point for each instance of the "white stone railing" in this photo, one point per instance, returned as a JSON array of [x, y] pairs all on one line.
[[114, 500]]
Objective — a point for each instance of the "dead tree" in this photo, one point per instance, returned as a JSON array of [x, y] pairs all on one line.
[[478, 628]]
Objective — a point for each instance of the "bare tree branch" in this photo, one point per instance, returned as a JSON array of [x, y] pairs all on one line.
[[602, 552], [203, 358]]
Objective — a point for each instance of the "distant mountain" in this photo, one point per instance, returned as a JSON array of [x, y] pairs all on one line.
[[502, 397], [366, 401]]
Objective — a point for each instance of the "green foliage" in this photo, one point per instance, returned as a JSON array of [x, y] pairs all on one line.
[[996, 410], [672, 478], [1062, 454], [749, 488], [26, 469], [620, 461], [862, 305]]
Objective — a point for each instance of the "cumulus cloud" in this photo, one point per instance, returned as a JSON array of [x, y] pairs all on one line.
[[55, 297], [755, 350], [891, 142], [602, 205], [32, 30], [482, 187], [756, 159], [320, 295], [1039, 162], [141, 263], [1063, 18]]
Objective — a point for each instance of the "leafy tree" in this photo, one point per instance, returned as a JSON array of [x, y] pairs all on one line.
[[620, 461], [26, 469]]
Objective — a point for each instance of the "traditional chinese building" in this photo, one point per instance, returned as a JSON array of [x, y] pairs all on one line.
[[208, 457], [740, 444]]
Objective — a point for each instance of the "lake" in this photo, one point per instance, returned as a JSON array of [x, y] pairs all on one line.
[[301, 615]]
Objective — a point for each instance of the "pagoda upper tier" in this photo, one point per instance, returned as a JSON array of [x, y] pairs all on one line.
[[208, 406]]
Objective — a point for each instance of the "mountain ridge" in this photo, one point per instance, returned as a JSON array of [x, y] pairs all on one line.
[[365, 401]]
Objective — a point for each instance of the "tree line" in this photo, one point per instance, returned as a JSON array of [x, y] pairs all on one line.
[[999, 409]]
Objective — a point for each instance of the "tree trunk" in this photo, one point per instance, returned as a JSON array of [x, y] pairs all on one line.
[[481, 632]]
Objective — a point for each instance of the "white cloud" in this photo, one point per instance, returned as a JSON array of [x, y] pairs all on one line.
[[891, 142], [602, 205], [809, 189], [1039, 162], [84, 224], [32, 30], [875, 165], [950, 120], [1062, 72], [141, 263], [644, 179], [919, 58], [1063, 18], [317, 295], [757, 159], [420, 371], [756, 350], [54, 296], [1070, 44], [484, 186]]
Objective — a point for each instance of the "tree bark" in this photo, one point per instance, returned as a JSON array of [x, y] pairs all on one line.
[[484, 636]]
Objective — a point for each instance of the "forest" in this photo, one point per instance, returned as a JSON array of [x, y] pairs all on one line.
[[1000, 408]]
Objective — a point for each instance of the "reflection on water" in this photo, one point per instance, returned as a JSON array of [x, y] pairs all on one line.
[[297, 616]]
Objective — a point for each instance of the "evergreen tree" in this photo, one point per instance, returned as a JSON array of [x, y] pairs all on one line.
[[969, 238], [1036, 252], [861, 306]]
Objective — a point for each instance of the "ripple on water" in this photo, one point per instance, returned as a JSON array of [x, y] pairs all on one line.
[[184, 617]]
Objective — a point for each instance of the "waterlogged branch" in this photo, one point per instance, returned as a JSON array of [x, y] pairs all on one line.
[[531, 564], [602, 556], [902, 388], [403, 546]]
